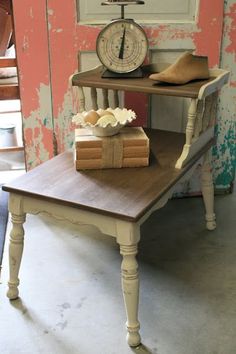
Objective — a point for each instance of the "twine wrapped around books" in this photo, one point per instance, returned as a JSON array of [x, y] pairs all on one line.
[[112, 152], [129, 148]]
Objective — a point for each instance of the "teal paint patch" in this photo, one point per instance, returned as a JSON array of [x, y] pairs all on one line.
[[224, 156], [30, 164], [64, 122]]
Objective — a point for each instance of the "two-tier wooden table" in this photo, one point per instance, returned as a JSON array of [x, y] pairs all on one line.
[[118, 201]]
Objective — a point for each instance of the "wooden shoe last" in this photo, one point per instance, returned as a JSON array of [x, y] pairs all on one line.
[[187, 67]]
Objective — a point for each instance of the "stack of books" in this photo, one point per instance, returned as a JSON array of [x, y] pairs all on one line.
[[128, 148]]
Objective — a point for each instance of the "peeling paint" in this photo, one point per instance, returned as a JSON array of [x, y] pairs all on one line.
[[50, 12], [231, 29], [31, 13], [25, 45], [38, 130], [207, 38], [87, 37], [225, 154], [32, 52]]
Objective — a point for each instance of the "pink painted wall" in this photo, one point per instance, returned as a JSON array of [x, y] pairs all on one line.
[[31, 34], [48, 43], [224, 153]]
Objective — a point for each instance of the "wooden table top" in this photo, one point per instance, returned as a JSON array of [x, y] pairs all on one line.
[[125, 193], [144, 85]]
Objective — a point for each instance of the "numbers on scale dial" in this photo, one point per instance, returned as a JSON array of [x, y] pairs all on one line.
[[122, 46]]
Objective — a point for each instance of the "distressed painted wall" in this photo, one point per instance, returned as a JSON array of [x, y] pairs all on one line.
[[30, 20], [49, 40], [224, 152]]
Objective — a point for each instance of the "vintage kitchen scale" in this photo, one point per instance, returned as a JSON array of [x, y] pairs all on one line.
[[122, 45]]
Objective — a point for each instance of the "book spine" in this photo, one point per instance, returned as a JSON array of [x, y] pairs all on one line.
[[88, 164], [135, 162], [88, 144], [88, 153], [135, 151], [135, 142], [95, 153], [126, 143]]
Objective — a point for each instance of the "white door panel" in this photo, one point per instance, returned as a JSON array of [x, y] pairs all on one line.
[[151, 11]]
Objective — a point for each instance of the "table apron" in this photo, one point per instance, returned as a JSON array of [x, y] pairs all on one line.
[[125, 232]]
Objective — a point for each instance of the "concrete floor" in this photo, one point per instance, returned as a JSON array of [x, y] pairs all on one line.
[[70, 297]]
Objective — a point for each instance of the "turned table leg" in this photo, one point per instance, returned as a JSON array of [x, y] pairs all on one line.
[[208, 192], [130, 287], [15, 253]]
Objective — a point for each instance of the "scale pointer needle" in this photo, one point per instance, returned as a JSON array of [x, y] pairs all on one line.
[[122, 46]]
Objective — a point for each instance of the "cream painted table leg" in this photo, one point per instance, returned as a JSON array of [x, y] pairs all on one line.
[[16, 245], [130, 288], [208, 192], [130, 279]]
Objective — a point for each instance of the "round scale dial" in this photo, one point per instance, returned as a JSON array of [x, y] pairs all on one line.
[[122, 46]]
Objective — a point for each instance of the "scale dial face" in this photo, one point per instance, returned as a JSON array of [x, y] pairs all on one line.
[[122, 46]]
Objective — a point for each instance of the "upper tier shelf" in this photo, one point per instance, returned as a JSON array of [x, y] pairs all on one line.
[[194, 89]]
